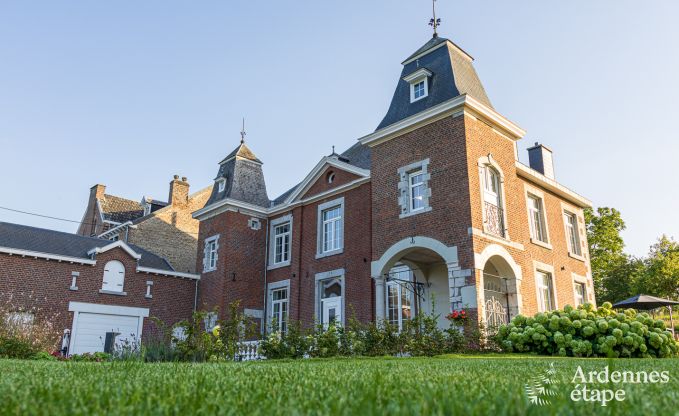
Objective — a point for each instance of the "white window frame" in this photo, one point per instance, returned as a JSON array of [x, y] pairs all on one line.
[[320, 278], [419, 76], [221, 185], [532, 193], [400, 287], [580, 280], [485, 164], [322, 208], [286, 219], [538, 269], [580, 234], [112, 283], [406, 188], [572, 233], [411, 189], [209, 262], [271, 288]]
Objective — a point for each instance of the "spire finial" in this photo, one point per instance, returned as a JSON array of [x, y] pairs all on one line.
[[434, 22], [333, 149], [242, 133]]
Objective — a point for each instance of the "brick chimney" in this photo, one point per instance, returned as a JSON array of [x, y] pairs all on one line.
[[97, 191], [179, 191], [540, 159]]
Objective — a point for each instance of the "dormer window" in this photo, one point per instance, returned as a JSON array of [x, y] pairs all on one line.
[[419, 84], [147, 209], [221, 185]]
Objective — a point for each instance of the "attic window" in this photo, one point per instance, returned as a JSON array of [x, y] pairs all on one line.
[[221, 184], [419, 84], [331, 177]]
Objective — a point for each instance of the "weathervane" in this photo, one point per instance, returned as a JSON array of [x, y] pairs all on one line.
[[242, 133], [434, 22]]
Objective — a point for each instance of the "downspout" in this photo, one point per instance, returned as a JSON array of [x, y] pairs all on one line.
[[266, 261], [195, 297], [299, 265]]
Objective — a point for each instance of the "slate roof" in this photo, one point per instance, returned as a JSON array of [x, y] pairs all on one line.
[[244, 179], [23, 237], [453, 74], [119, 209]]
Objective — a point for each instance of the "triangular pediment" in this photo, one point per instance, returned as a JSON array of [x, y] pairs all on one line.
[[317, 181]]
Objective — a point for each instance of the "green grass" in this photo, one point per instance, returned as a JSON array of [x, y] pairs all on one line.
[[470, 385]]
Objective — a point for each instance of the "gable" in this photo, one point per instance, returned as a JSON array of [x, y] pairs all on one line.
[[321, 183]]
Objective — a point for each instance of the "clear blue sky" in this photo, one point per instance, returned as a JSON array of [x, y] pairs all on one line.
[[128, 93]]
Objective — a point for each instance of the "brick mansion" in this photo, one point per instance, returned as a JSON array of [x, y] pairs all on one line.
[[431, 212]]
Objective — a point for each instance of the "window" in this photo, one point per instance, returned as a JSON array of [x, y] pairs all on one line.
[[210, 254], [147, 209], [414, 188], [536, 218], [331, 177], [279, 309], [330, 228], [580, 294], [419, 90], [114, 277], [282, 243], [210, 321], [492, 204], [400, 305], [545, 291], [221, 185], [572, 233], [20, 319]]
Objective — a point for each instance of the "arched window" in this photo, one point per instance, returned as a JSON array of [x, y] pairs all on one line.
[[492, 201], [114, 276]]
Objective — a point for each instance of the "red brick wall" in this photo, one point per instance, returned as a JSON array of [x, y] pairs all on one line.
[[28, 282], [321, 185]]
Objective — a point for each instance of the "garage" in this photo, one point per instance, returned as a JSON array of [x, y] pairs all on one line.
[[102, 327]]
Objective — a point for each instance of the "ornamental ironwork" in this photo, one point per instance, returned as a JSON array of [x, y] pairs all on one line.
[[494, 220]]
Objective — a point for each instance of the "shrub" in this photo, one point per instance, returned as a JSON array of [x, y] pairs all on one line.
[[23, 336], [96, 357], [589, 332], [290, 344]]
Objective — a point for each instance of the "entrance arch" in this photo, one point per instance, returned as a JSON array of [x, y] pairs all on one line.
[[429, 264], [499, 286]]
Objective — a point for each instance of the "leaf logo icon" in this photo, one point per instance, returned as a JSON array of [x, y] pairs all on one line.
[[540, 388]]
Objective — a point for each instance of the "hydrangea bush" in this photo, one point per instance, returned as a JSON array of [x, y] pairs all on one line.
[[589, 332]]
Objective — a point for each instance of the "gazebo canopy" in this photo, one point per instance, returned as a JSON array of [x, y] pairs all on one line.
[[644, 302]]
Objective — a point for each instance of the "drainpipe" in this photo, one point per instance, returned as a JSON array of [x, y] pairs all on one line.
[[195, 297], [266, 261]]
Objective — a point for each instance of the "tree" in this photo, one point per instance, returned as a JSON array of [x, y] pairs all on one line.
[[662, 270], [607, 259]]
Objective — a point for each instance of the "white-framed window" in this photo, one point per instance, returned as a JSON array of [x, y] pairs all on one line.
[[210, 254], [279, 308], [20, 319], [147, 208], [331, 177], [400, 296], [420, 90], [114, 277], [572, 234], [492, 202], [221, 185], [580, 290], [545, 289], [536, 218], [331, 228], [414, 188], [281, 235]]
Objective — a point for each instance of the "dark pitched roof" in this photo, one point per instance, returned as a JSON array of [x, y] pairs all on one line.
[[453, 74], [358, 155], [244, 178], [22, 237], [119, 209]]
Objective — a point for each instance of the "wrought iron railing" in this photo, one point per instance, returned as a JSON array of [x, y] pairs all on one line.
[[494, 220]]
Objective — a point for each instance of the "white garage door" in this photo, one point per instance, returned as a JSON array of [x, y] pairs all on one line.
[[92, 323]]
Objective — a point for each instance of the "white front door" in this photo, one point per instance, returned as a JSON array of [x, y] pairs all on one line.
[[331, 310]]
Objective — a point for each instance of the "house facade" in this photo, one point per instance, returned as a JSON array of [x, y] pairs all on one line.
[[431, 212], [165, 228], [101, 293]]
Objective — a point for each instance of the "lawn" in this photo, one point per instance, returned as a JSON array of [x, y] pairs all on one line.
[[470, 385]]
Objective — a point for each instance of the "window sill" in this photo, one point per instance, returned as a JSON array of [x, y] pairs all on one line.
[[73, 288], [209, 270], [278, 265], [541, 243], [576, 256], [411, 213], [110, 292], [329, 253], [148, 296]]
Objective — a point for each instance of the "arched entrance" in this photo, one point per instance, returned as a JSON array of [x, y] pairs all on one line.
[[413, 276], [500, 282]]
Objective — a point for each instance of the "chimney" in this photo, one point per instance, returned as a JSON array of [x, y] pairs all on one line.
[[179, 191], [97, 191], [540, 159]]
